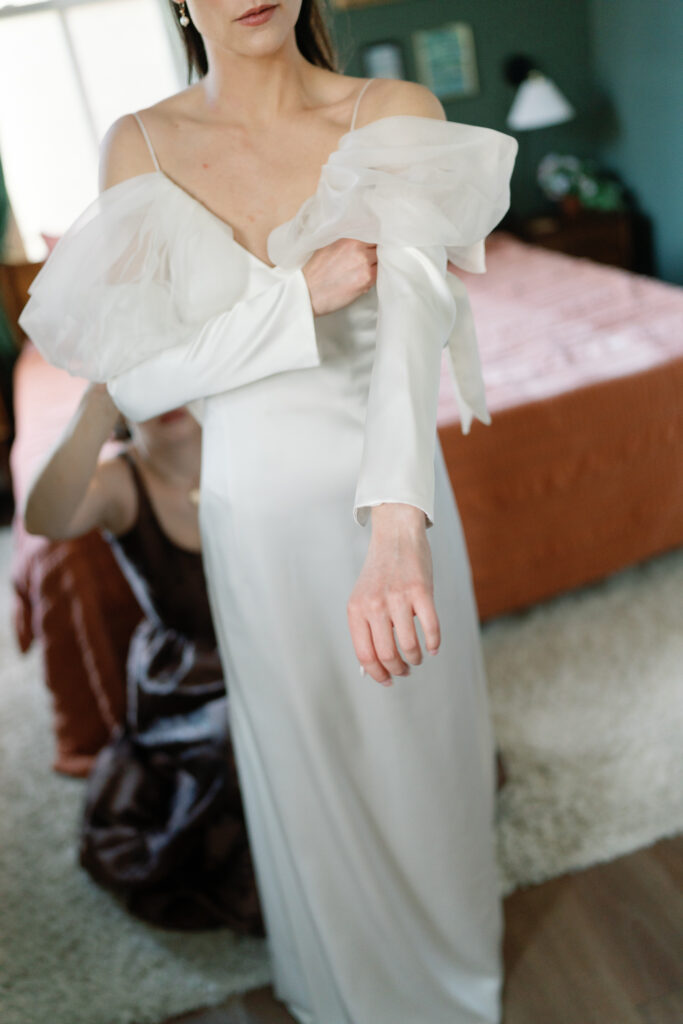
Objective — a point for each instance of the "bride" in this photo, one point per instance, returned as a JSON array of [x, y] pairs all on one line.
[[275, 246]]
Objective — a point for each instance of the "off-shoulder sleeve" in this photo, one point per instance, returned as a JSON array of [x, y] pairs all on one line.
[[425, 191], [270, 332], [149, 292]]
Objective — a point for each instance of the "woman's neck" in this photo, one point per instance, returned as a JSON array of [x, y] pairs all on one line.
[[256, 91]]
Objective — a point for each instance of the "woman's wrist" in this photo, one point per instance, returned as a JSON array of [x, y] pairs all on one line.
[[398, 517]]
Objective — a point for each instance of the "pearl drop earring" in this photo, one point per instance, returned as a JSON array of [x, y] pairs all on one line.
[[183, 18]]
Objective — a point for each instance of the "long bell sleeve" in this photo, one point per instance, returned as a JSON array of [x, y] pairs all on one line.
[[424, 191], [416, 311], [271, 332], [149, 293]]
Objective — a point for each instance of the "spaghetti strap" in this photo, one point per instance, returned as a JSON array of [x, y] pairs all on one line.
[[147, 140], [360, 97], [145, 509]]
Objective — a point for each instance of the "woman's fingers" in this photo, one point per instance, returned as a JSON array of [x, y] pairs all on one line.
[[402, 614], [377, 647], [425, 610], [385, 645], [361, 637], [338, 273]]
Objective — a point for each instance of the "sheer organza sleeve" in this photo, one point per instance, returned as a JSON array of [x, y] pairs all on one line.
[[149, 292], [426, 191]]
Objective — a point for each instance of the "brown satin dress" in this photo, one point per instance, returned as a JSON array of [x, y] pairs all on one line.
[[163, 824]]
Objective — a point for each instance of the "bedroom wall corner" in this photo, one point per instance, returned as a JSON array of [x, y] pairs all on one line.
[[636, 51]]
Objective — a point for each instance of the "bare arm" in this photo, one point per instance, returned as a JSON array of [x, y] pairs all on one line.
[[71, 494]]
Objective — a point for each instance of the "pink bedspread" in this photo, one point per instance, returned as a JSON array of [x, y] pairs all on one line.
[[549, 323]]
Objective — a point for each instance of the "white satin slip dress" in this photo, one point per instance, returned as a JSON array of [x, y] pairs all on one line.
[[370, 810]]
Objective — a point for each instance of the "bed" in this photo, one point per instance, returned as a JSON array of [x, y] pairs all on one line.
[[579, 474], [581, 471]]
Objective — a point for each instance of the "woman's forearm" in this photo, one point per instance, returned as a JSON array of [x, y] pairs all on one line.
[[61, 484]]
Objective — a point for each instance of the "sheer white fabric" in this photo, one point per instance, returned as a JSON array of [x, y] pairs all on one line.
[[413, 181], [147, 270], [147, 275], [406, 180], [370, 810]]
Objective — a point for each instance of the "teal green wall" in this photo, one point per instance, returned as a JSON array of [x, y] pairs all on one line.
[[619, 62], [554, 32], [638, 63]]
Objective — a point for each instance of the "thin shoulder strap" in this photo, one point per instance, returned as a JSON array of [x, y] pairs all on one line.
[[360, 97], [145, 509], [149, 144]]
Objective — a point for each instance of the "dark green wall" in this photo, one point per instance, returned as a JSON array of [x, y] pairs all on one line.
[[638, 61], [554, 32], [618, 62]]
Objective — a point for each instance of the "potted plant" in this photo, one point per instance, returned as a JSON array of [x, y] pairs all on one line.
[[577, 184]]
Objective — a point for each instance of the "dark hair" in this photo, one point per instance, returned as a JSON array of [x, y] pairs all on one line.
[[311, 33]]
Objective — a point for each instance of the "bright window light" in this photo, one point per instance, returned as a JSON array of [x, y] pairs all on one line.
[[68, 69]]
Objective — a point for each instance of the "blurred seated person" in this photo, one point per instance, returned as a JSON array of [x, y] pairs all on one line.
[[163, 824]]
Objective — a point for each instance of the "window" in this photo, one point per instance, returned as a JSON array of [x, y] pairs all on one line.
[[68, 68]]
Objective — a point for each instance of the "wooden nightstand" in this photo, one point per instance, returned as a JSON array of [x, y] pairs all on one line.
[[604, 237]]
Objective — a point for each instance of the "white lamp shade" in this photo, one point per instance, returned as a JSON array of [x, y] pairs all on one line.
[[538, 104]]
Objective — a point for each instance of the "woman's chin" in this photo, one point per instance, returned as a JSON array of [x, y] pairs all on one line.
[[173, 416], [176, 425]]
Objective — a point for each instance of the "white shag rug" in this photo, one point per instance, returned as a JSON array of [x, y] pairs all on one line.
[[587, 702]]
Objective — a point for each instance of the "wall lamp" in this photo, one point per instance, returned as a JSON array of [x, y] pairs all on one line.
[[538, 103]]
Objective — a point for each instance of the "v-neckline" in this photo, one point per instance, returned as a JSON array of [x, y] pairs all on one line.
[[158, 173], [225, 223]]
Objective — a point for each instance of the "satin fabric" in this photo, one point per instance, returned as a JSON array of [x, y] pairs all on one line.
[[369, 809]]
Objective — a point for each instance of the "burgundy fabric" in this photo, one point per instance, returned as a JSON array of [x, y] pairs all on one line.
[[163, 830], [163, 825], [167, 579]]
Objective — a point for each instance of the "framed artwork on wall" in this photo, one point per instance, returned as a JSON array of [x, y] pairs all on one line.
[[383, 60], [446, 61]]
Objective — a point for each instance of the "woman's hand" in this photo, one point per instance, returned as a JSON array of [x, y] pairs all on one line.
[[340, 272], [395, 585]]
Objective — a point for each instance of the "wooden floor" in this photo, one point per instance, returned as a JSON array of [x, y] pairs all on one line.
[[601, 946]]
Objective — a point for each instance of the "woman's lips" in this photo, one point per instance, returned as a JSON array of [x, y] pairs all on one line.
[[258, 15]]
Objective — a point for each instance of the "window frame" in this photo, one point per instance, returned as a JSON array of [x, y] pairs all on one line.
[[29, 242]]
